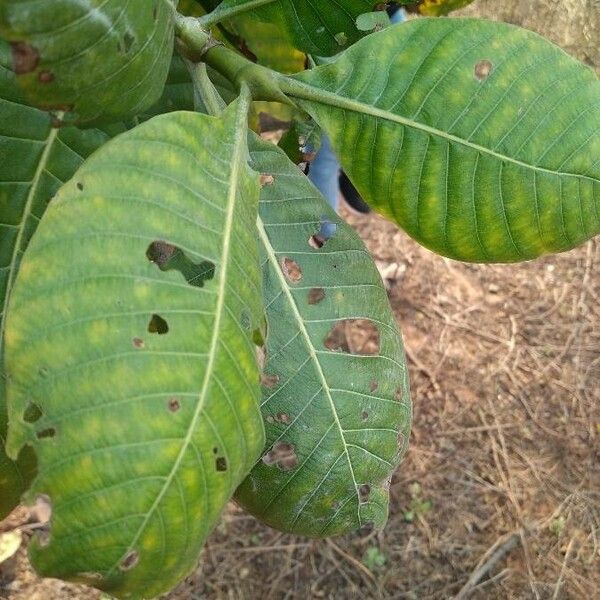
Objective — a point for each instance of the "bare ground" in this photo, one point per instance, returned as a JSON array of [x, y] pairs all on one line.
[[500, 490]]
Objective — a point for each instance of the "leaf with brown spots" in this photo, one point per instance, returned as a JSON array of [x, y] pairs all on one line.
[[105, 60], [136, 355], [331, 435]]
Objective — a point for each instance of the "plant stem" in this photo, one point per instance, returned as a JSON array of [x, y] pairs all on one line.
[[228, 9], [206, 97]]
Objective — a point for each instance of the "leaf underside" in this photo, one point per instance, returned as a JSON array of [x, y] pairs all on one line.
[[337, 423], [480, 139], [99, 61], [130, 332], [36, 160]]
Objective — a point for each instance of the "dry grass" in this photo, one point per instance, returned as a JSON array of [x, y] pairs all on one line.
[[505, 366]]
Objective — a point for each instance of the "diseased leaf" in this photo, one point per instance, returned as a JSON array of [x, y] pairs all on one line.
[[36, 160], [322, 28], [335, 383], [130, 329], [480, 139], [93, 61]]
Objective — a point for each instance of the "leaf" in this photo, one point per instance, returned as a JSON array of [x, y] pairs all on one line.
[[37, 159], [10, 542], [337, 423], [322, 28], [130, 327], [480, 139], [100, 61], [438, 8]]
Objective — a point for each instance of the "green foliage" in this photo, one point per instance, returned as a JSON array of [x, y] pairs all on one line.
[[186, 275], [337, 418], [149, 413], [459, 140], [90, 63]]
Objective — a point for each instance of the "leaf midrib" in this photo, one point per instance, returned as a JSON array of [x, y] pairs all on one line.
[[299, 89], [308, 342], [237, 160]]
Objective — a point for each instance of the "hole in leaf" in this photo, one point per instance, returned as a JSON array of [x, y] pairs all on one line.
[[221, 464], [170, 258], [269, 381], [46, 434], [283, 455], [138, 342], [291, 269], [258, 338], [325, 233], [25, 58], [483, 68], [215, 450], [174, 404], [158, 325], [129, 561], [315, 295], [32, 413], [364, 415], [80, 186], [364, 491], [354, 336]]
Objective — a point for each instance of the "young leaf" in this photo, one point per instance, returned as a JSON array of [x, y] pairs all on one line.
[[37, 159], [131, 327], [321, 28], [337, 413], [480, 139], [104, 61]]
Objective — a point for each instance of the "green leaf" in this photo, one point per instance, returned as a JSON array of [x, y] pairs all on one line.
[[37, 159], [337, 422], [480, 139], [100, 61], [322, 28], [130, 327]]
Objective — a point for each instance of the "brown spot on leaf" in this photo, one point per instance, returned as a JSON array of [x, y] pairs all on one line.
[[266, 179], [221, 464], [46, 76], [315, 295], [138, 342], [129, 561], [282, 418], [269, 381], [364, 491], [283, 455], [483, 68], [374, 386], [364, 415], [174, 404], [291, 269], [399, 394], [25, 57]]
